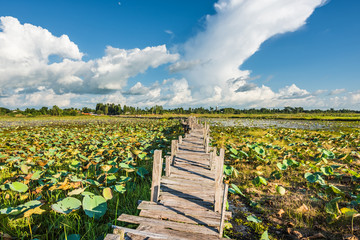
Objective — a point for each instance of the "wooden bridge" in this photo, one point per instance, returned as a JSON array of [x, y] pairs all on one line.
[[188, 202]]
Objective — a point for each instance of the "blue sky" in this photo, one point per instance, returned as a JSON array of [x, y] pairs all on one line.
[[236, 53]]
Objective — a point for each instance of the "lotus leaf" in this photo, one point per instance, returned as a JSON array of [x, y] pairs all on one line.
[[142, 172], [67, 205], [18, 187], [281, 190], [94, 206], [21, 208], [259, 180], [107, 193]]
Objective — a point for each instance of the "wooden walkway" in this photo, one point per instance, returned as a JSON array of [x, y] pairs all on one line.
[[187, 202]]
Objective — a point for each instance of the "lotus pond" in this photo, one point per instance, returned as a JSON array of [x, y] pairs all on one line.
[[292, 183], [71, 180]]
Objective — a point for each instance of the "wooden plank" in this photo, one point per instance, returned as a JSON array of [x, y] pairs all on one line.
[[112, 237], [185, 210], [139, 233], [168, 199], [168, 224], [173, 216], [192, 177], [180, 139], [173, 234], [156, 175], [180, 181], [176, 202], [197, 197]]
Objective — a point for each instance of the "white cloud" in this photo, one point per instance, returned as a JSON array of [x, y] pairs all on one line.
[[24, 62], [214, 56], [337, 91]]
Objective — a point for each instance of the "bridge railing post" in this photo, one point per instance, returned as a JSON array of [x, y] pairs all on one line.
[[223, 209], [156, 175], [212, 158], [180, 139], [168, 162], [174, 149], [207, 145], [219, 169]]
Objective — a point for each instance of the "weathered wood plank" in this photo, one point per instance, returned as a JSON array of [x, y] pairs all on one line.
[[173, 234], [178, 217], [185, 210], [185, 227], [181, 181]]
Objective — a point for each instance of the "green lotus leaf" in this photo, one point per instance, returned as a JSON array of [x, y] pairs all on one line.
[[76, 191], [142, 172], [254, 219], [119, 188], [36, 175], [67, 205], [21, 208], [107, 193], [280, 190], [18, 187], [94, 206], [259, 181], [73, 237]]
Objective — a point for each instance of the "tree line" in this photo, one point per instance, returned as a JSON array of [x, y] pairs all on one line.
[[117, 109]]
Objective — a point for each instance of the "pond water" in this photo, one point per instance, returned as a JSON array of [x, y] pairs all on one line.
[[280, 123]]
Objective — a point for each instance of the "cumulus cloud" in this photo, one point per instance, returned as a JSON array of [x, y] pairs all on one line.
[[25, 50], [337, 91], [214, 56]]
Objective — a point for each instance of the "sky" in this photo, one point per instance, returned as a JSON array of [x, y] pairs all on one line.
[[180, 53]]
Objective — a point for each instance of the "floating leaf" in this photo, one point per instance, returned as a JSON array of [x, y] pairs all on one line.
[[280, 190], [236, 190], [254, 219], [335, 189], [332, 206], [24, 168], [259, 180], [107, 193], [234, 151], [21, 208], [349, 212], [142, 172], [67, 205], [73, 237], [37, 211], [76, 191], [327, 170], [265, 236], [120, 188], [228, 170], [18, 187], [36, 175], [94, 206]]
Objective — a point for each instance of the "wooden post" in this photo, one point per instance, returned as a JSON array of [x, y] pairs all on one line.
[[156, 175], [212, 159], [219, 180], [207, 145], [221, 229], [180, 139], [173, 148], [168, 162]]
